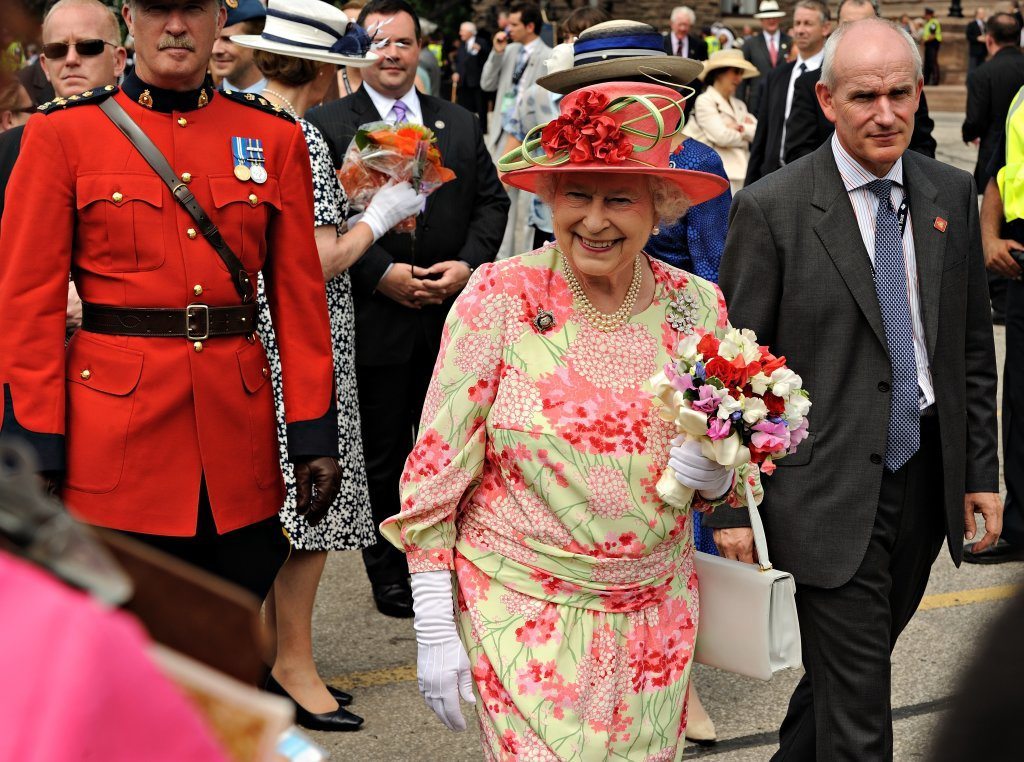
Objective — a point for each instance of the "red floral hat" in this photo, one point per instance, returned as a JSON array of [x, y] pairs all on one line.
[[610, 127]]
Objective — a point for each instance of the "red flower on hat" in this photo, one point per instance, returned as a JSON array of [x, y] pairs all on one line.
[[586, 133]]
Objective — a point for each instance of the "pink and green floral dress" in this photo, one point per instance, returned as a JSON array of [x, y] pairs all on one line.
[[534, 479]]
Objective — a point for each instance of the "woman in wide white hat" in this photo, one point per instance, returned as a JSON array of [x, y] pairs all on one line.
[[719, 118], [302, 44]]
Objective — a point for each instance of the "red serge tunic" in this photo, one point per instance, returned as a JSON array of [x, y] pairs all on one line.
[[136, 423]]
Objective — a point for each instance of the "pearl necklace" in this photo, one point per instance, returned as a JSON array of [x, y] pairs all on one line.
[[600, 320], [284, 101]]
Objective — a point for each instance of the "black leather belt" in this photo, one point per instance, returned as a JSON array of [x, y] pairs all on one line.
[[195, 322]]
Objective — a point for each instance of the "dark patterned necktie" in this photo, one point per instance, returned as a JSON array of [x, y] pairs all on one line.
[[891, 286]]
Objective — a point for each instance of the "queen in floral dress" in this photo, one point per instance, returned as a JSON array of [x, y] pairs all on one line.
[[534, 475]]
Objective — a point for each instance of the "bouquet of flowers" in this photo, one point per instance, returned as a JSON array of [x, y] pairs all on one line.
[[736, 398], [382, 153]]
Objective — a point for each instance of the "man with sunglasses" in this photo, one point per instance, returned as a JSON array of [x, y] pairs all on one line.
[[81, 51], [159, 418]]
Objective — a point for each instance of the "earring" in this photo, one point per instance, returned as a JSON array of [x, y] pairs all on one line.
[[656, 231]]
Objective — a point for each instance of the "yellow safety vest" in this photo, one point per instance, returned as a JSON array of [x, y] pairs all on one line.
[[1010, 178], [714, 44], [933, 31]]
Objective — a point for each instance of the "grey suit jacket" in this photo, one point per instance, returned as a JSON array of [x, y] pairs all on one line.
[[796, 272], [497, 75]]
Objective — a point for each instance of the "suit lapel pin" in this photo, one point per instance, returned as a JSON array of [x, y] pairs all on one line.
[[940, 224], [439, 125]]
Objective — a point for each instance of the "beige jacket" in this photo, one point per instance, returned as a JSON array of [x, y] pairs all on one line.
[[714, 121]]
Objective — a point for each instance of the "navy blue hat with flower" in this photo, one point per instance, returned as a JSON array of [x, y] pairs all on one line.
[[311, 29]]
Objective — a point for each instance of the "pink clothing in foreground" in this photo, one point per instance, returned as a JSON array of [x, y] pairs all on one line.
[[78, 684]]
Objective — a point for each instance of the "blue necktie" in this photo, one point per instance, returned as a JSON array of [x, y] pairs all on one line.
[[891, 286]]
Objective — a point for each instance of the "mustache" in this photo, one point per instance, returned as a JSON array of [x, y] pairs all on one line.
[[181, 41]]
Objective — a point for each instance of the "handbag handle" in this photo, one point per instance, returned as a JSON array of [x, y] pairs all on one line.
[[760, 541]]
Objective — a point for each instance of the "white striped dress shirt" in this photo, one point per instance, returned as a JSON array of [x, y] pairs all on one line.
[[865, 209]]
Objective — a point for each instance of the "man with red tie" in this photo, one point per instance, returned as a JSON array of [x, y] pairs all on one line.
[[158, 419], [766, 51]]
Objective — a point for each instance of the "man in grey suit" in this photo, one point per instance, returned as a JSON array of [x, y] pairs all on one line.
[[511, 69], [862, 264]]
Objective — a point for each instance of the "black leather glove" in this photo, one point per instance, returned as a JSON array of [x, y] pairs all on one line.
[[317, 481]]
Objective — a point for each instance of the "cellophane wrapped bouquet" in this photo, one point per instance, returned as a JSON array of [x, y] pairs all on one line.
[[736, 398], [381, 153]]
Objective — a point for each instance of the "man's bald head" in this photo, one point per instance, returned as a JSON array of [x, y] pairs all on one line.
[[71, 21], [870, 88]]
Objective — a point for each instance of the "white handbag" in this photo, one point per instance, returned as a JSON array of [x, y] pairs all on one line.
[[748, 622]]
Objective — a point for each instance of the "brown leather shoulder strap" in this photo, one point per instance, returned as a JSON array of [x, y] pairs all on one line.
[[239, 277]]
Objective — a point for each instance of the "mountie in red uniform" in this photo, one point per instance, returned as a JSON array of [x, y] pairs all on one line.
[[137, 422]]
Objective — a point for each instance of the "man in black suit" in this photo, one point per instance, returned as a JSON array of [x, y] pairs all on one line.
[[767, 50], [810, 27], [862, 264], [469, 62], [402, 290], [808, 127], [991, 89], [977, 50], [679, 41]]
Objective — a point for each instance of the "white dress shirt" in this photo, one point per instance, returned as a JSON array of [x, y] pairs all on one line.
[[772, 38], [385, 105], [803, 65], [865, 209]]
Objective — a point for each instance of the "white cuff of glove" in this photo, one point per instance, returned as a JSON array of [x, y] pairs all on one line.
[[442, 666], [391, 205], [698, 473]]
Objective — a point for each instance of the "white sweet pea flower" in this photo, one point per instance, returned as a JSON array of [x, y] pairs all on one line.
[[759, 383], [749, 346], [797, 407], [755, 410], [687, 349], [785, 382], [731, 345], [728, 406]]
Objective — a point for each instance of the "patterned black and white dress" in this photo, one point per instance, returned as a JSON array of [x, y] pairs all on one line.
[[349, 523]]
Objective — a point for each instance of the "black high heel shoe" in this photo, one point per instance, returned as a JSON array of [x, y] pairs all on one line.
[[343, 699], [340, 719]]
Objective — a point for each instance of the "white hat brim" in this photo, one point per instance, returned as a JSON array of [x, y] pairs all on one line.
[[256, 42], [770, 15]]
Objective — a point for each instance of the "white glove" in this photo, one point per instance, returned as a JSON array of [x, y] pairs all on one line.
[[695, 471], [442, 666], [391, 204]]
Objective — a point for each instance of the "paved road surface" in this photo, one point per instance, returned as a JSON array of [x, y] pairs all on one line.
[[374, 656]]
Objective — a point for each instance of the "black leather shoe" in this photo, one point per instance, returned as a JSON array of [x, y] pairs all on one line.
[[343, 699], [394, 599], [340, 720], [999, 553]]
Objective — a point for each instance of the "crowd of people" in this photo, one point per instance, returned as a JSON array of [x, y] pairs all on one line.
[[212, 351]]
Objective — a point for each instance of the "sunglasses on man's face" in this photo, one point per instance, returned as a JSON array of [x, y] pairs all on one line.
[[85, 48]]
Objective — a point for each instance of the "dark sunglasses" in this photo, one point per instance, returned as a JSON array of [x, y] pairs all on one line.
[[86, 48]]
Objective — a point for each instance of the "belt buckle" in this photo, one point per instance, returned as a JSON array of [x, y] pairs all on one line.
[[201, 309]]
